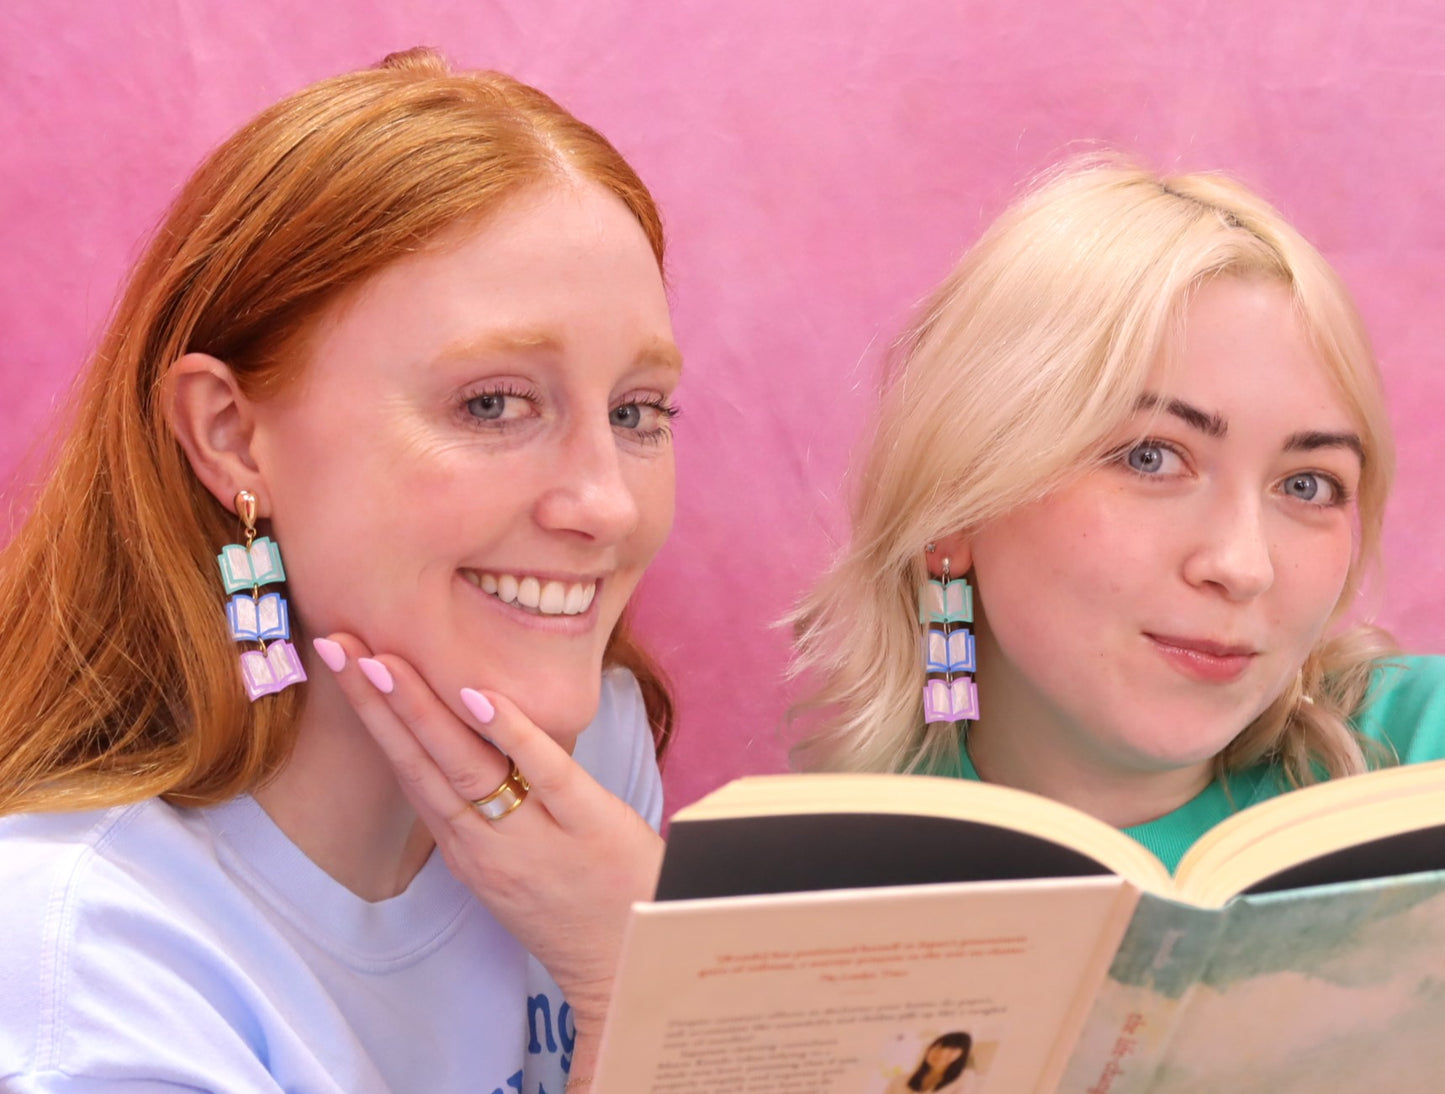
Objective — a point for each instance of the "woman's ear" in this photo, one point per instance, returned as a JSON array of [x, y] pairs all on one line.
[[213, 421], [955, 548]]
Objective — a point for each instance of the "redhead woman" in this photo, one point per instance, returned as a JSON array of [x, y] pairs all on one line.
[[1132, 462], [328, 763]]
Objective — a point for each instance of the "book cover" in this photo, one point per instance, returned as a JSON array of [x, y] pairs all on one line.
[[834, 992], [1338, 987]]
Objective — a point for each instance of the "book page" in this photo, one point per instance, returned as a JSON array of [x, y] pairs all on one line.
[[842, 992], [269, 622], [243, 618], [236, 563], [1309, 823]]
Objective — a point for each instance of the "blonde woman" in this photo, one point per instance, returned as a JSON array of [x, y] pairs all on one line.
[[371, 458], [1142, 422]]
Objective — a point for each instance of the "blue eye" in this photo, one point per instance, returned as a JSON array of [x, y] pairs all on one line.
[[1147, 457], [488, 406], [644, 419], [1312, 487], [500, 406], [1304, 487]]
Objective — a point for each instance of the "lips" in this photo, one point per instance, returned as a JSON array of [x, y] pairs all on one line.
[[543, 596], [1203, 658]]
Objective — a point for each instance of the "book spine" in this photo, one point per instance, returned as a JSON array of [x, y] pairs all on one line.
[[1165, 951]]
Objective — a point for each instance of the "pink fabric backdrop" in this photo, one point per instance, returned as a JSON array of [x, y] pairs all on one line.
[[820, 164]]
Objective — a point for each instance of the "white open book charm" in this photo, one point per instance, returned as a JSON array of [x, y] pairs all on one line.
[[243, 568], [277, 668], [950, 700], [945, 603], [949, 652], [264, 619]]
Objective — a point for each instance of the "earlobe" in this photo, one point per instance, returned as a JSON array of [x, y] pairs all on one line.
[[213, 423], [956, 549]]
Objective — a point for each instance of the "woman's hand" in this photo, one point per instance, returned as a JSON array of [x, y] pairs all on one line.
[[561, 870]]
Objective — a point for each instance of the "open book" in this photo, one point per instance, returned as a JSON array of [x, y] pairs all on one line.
[[245, 568], [820, 932], [274, 670], [263, 619]]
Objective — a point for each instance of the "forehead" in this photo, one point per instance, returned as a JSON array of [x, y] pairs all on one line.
[[1242, 350], [565, 266]]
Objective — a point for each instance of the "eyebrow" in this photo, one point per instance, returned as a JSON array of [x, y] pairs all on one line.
[[1215, 425], [657, 351], [1212, 425], [1312, 440], [504, 341]]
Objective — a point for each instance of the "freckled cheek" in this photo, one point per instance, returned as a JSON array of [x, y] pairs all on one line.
[[1317, 578]]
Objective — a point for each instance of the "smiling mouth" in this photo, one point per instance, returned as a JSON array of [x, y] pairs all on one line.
[[537, 595]]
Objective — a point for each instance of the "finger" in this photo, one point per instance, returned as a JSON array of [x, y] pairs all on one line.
[[423, 782], [560, 783], [473, 765]]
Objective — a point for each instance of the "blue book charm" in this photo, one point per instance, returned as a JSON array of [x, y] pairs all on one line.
[[948, 652], [261, 620]]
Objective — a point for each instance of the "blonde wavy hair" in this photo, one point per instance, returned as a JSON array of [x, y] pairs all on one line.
[[1023, 363], [121, 680]]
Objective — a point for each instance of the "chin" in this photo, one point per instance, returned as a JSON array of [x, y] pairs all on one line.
[[560, 713]]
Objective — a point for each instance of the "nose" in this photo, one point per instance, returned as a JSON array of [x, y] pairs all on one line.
[[589, 492], [1231, 549]]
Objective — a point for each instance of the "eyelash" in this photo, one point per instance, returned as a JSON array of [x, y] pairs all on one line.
[[502, 391], [667, 412], [1341, 493], [662, 432]]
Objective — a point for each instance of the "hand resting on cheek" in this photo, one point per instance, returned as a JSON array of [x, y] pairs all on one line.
[[561, 870]]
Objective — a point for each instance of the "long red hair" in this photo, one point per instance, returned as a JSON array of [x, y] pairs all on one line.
[[121, 678]]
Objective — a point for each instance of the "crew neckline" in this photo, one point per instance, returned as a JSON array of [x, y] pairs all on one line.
[[365, 934]]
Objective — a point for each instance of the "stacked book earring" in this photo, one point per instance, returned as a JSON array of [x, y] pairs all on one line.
[[949, 653], [265, 620]]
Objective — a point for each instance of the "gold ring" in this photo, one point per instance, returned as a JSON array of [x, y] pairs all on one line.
[[501, 801]]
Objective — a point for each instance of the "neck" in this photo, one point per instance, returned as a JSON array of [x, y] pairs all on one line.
[[1121, 799], [338, 800]]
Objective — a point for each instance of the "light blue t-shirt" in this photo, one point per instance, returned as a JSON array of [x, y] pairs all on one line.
[[1405, 712], [152, 948]]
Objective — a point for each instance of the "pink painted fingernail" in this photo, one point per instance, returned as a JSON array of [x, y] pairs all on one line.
[[376, 672], [330, 652], [477, 703]]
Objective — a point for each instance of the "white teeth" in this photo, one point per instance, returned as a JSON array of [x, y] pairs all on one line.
[[529, 592], [542, 597], [553, 599], [507, 588], [576, 600]]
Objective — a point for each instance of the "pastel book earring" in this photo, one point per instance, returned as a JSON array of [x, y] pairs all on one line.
[[254, 617], [949, 651]]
